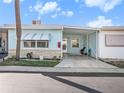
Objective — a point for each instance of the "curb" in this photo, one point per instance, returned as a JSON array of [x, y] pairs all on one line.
[[88, 72]]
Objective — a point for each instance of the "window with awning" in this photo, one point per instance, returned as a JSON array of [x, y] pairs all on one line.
[[35, 43], [36, 40], [42, 44], [29, 44], [36, 36]]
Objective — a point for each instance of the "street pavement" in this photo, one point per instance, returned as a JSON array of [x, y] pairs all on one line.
[[38, 83]]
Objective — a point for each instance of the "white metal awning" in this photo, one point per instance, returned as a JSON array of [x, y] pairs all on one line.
[[36, 36], [79, 30]]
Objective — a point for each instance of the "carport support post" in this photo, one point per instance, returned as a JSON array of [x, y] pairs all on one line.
[[62, 42], [87, 45], [96, 45]]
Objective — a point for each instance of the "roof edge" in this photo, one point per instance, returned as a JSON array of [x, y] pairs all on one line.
[[112, 28]]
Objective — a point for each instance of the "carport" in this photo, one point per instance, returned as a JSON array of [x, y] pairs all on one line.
[[76, 38]]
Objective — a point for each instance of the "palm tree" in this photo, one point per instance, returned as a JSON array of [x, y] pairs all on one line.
[[18, 28]]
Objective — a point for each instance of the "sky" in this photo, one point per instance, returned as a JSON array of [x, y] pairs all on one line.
[[90, 13]]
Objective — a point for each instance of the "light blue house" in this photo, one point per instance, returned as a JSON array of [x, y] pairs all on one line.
[[49, 41]]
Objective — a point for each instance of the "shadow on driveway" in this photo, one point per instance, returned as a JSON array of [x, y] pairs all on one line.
[[73, 84]]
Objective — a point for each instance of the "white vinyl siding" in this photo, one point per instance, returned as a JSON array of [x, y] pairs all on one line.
[[110, 51]]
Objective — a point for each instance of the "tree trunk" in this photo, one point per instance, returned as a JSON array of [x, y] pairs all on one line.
[[18, 29]]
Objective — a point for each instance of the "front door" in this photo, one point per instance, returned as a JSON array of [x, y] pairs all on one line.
[[64, 45], [75, 46]]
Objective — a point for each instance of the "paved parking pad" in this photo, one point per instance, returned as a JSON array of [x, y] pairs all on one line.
[[80, 61]]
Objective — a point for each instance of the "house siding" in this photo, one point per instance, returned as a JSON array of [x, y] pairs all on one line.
[[37, 53], [110, 52], [56, 36]]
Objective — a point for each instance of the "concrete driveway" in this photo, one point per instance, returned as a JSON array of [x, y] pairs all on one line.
[[83, 61]]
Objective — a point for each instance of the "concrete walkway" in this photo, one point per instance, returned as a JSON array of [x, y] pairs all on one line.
[[64, 71], [85, 62]]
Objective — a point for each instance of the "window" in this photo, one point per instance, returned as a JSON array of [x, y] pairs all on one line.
[[114, 40], [42, 44], [29, 44], [75, 43], [32, 43]]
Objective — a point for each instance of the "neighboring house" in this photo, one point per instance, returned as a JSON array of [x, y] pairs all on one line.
[[53, 41]]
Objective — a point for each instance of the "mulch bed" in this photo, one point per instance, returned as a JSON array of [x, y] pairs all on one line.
[[119, 64]]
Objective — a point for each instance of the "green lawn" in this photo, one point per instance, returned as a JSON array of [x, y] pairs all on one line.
[[12, 62]]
